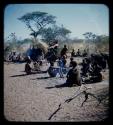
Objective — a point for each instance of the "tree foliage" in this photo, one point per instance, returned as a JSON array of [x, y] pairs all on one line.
[[36, 21], [90, 36], [54, 32]]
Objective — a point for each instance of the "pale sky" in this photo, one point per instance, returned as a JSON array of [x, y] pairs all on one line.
[[78, 18]]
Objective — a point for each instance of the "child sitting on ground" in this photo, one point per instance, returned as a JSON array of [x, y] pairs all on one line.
[[27, 67]]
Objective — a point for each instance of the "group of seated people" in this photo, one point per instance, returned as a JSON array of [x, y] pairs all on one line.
[[89, 73], [36, 66], [93, 66], [73, 75], [78, 53], [15, 57]]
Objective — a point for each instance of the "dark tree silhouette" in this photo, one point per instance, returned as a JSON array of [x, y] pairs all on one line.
[[54, 32], [90, 36], [36, 21]]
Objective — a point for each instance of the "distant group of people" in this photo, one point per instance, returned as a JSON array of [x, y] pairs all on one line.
[[78, 53], [15, 57], [92, 67]]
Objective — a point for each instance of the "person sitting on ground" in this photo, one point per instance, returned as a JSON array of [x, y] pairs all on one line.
[[71, 61], [84, 53], [73, 53], [85, 67], [36, 66], [95, 73], [64, 60], [73, 77], [51, 70], [27, 67], [61, 66], [64, 51], [78, 53]]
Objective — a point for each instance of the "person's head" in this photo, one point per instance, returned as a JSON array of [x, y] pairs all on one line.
[[64, 56], [64, 46], [34, 63], [73, 50], [59, 58], [51, 63], [28, 61], [74, 64], [56, 41], [84, 60], [71, 59]]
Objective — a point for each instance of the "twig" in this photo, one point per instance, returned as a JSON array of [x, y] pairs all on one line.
[[55, 112], [70, 99], [86, 97]]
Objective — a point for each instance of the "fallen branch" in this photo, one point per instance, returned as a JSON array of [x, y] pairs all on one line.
[[59, 107], [86, 97], [70, 99]]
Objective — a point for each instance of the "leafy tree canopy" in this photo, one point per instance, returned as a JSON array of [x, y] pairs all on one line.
[[36, 21]]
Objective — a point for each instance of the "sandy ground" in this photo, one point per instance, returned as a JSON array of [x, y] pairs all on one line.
[[26, 98]]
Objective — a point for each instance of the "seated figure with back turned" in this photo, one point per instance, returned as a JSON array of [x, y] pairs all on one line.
[[73, 53], [71, 61], [73, 77], [27, 67], [51, 70], [78, 53], [64, 51]]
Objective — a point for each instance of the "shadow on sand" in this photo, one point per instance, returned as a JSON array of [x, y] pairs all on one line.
[[66, 85], [46, 77], [29, 74], [59, 86]]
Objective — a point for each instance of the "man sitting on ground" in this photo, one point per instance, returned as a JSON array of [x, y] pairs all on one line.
[[64, 51], [73, 53]]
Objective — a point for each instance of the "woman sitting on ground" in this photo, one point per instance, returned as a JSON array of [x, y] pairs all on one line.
[[95, 73], [73, 77], [52, 71]]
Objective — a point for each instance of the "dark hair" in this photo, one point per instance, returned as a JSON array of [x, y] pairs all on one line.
[[74, 63], [71, 58], [28, 60], [51, 63]]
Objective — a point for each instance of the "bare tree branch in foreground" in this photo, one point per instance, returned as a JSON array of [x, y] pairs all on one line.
[[71, 98]]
